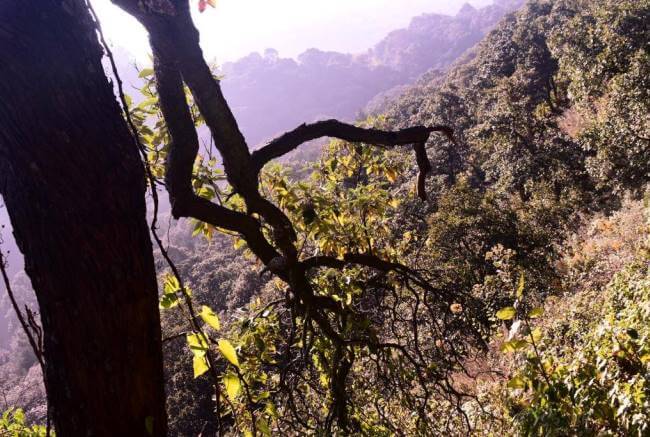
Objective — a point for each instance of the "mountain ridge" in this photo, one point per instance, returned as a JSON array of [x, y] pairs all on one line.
[[270, 94]]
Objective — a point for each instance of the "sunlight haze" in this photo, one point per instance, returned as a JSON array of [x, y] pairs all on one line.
[[237, 27]]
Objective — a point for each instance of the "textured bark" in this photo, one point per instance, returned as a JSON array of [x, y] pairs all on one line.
[[73, 183], [336, 129]]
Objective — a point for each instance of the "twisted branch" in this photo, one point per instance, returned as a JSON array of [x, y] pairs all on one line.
[[417, 135], [179, 60]]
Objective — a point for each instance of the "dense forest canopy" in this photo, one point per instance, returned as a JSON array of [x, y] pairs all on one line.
[[492, 278]]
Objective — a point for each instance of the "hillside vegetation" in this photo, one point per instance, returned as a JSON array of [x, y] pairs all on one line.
[[524, 308], [553, 117], [548, 283]]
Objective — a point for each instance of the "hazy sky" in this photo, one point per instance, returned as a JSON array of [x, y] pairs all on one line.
[[238, 27]]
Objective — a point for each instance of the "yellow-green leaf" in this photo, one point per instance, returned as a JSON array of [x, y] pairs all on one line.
[[391, 175], [536, 312], [145, 72], [198, 344], [520, 286], [228, 352], [171, 284], [210, 317], [168, 300], [271, 410], [517, 382], [200, 365], [507, 313], [233, 386], [513, 345], [263, 426]]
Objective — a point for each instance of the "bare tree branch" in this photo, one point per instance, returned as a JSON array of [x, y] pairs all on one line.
[[36, 343], [337, 129], [180, 162], [417, 135]]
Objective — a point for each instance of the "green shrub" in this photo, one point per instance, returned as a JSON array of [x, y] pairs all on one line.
[[12, 423], [589, 377]]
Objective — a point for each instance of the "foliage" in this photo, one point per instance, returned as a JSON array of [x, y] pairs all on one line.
[[551, 117], [575, 364], [345, 203], [596, 384], [12, 423], [604, 63], [503, 203]]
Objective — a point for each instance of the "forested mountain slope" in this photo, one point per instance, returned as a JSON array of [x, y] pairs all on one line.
[[531, 311], [270, 94], [551, 121]]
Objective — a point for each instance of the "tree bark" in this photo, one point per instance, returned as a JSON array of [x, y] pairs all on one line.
[[73, 183]]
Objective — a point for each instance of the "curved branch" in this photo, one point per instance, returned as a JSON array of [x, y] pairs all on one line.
[[370, 261], [179, 60], [350, 258], [180, 162], [337, 129], [417, 135]]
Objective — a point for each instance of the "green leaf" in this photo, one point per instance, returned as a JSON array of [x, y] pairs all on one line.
[[513, 345], [228, 352], [517, 382], [507, 313], [535, 312], [391, 175], [263, 426], [210, 317], [200, 365], [520, 286], [233, 386], [171, 284], [198, 344], [145, 72], [148, 424], [536, 335], [168, 300], [271, 410], [19, 416]]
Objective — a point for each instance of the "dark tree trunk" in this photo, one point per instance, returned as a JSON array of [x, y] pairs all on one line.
[[73, 184]]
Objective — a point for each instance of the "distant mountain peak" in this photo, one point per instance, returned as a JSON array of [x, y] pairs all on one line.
[[324, 84], [466, 10]]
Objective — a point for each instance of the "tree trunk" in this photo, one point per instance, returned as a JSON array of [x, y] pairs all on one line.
[[73, 183]]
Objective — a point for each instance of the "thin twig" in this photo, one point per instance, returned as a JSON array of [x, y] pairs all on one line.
[[37, 347]]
